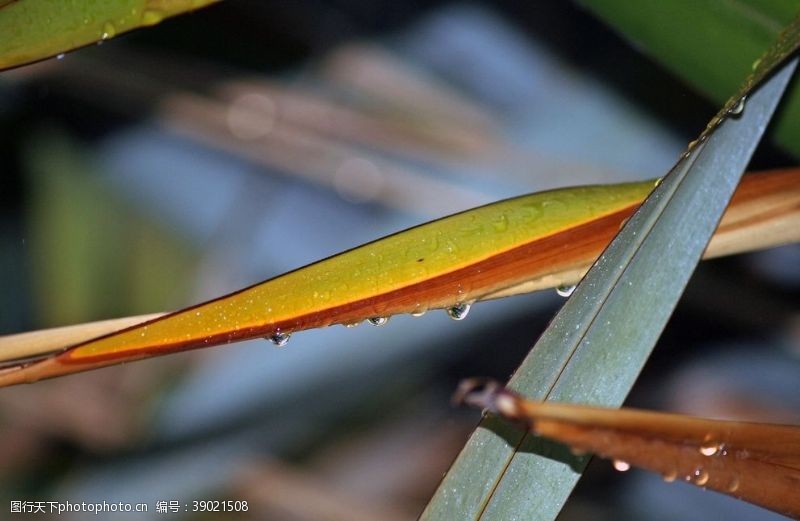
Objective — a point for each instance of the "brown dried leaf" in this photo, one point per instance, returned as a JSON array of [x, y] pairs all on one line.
[[755, 462]]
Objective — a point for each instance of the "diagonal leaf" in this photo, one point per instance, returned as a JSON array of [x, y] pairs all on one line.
[[764, 212], [595, 347], [524, 244], [758, 463], [712, 44], [32, 30]]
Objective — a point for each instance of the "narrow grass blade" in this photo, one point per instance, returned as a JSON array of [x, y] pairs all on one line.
[[765, 211], [32, 30], [595, 347], [710, 44], [449, 262], [758, 463]]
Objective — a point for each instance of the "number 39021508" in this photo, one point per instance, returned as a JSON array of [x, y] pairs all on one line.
[[219, 506]]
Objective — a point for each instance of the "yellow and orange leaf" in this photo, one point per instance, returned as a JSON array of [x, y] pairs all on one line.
[[758, 463], [513, 246], [32, 30]]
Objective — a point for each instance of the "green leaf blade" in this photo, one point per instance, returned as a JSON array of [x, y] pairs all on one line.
[[32, 30], [711, 44]]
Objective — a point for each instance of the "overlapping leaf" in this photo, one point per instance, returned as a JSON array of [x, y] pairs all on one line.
[[595, 347], [758, 463], [522, 244], [710, 44]]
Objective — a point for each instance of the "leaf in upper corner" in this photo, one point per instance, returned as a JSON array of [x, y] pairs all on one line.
[[518, 245], [755, 462], [32, 30], [710, 44]]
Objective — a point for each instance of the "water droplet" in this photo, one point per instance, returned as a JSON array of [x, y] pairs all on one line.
[[565, 290], [737, 109], [109, 31], [622, 466], [698, 477], [658, 181], [501, 223], [733, 484], [670, 476], [378, 321], [279, 339], [419, 313], [352, 324], [710, 448], [756, 64], [322, 295], [152, 17], [459, 311], [60, 56]]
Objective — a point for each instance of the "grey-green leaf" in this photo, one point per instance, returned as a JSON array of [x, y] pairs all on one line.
[[595, 347]]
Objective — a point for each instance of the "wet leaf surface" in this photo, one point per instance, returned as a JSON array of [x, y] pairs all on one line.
[[755, 462], [595, 347], [532, 242], [32, 30]]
